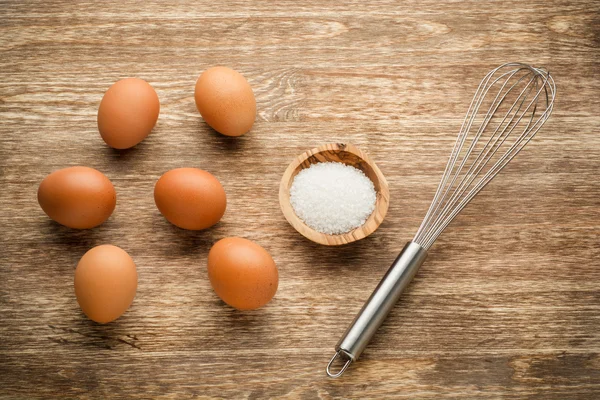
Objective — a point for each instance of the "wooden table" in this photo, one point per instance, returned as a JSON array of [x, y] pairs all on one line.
[[508, 303]]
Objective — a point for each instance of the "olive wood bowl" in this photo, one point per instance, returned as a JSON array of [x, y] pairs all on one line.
[[347, 154]]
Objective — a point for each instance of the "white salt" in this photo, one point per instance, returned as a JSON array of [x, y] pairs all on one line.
[[332, 197]]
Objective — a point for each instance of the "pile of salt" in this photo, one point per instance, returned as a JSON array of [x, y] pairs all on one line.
[[332, 197]]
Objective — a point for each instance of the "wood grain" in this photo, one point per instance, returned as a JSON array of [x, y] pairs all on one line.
[[345, 153], [507, 304]]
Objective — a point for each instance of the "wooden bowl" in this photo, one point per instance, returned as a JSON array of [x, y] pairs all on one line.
[[349, 155]]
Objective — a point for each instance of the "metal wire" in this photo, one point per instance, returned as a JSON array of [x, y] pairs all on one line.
[[510, 105]]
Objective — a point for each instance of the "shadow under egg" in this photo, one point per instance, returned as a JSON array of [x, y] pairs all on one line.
[[74, 241], [176, 241], [126, 160], [84, 331], [242, 327], [220, 141]]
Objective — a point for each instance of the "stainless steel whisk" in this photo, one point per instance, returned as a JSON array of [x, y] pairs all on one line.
[[511, 104]]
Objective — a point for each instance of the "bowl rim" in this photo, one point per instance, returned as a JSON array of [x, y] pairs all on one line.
[[371, 224]]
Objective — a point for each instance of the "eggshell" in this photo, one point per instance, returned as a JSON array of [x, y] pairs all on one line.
[[190, 198], [127, 113], [105, 283], [225, 100], [242, 273], [77, 197]]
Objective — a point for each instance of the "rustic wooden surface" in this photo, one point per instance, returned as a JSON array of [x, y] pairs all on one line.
[[508, 303]]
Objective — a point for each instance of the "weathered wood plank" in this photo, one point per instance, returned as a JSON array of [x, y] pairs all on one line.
[[507, 304]]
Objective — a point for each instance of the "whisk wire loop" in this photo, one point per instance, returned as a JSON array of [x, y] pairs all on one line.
[[487, 152], [459, 144], [506, 112]]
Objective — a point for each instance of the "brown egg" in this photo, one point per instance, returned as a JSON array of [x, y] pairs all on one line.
[[190, 198], [225, 101], [105, 283], [77, 197], [242, 273], [127, 113]]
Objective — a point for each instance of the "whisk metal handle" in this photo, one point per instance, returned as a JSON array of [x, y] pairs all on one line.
[[382, 300]]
